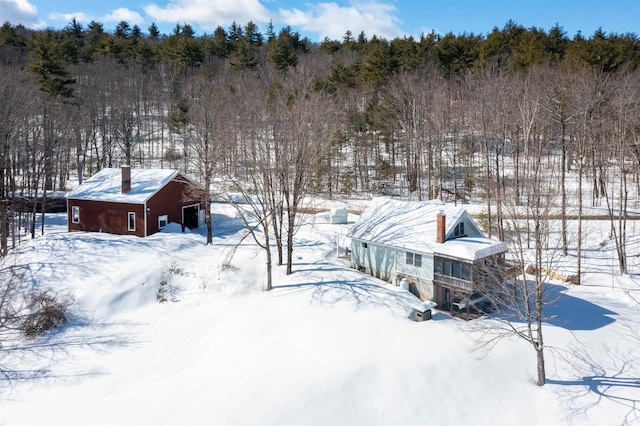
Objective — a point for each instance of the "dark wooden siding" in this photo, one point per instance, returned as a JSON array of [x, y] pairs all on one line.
[[169, 201], [105, 216]]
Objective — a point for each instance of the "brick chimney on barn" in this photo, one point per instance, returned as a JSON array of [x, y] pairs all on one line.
[[126, 178], [441, 226]]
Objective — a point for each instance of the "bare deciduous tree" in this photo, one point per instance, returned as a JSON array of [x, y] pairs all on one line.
[[303, 123], [522, 300]]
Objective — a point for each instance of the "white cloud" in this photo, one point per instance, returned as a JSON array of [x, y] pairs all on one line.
[[331, 20], [428, 30], [114, 16], [326, 19], [323, 19], [67, 17], [209, 13], [123, 14], [20, 12]]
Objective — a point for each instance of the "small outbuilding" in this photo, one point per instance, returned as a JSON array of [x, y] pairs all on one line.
[[136, 202], [339, 214], [438, 248]]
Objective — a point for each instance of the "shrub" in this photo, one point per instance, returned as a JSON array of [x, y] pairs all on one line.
[[164, 291], [46, 312]]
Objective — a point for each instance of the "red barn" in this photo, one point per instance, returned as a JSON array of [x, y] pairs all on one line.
[[137, 202]]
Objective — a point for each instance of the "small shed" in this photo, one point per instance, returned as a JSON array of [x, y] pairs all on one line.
[[339, 214], [136, 202], [423, 311]]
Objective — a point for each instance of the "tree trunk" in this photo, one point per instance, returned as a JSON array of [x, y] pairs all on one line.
[[207, 220], [542, 378], [267, 249], [579, 253], [4, 223], [290, 230], [563, 212]]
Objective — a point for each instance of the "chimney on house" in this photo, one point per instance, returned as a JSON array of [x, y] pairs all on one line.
[[126, 178], [441, 226]]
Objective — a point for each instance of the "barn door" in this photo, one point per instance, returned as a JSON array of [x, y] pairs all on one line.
[[190, 216]]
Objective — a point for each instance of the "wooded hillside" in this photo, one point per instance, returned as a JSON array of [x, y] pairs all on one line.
[[517, 116]]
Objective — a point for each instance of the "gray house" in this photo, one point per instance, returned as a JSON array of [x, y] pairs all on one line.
[[437, 247]]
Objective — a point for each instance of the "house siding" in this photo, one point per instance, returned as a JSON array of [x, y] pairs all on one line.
[[105, 216], [389, 263], [470, 228], [374, 259]]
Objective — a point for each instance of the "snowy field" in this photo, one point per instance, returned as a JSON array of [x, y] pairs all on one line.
[[327, 346]]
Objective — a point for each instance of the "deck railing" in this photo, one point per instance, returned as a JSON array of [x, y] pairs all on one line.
[[453, 282]]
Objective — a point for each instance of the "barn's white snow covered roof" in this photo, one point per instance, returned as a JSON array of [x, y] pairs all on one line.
[[106, 185], [412, 226]]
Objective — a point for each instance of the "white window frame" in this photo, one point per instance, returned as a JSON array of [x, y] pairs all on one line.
[[75, 214], [131, 215], [413, 259], [164, 218]]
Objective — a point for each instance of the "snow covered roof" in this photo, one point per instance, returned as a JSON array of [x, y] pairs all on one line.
[[106, 185], [471, 248], [425, 306], [412, 226]]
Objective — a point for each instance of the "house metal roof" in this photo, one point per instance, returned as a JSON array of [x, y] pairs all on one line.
[[412, 226], [106, 185]]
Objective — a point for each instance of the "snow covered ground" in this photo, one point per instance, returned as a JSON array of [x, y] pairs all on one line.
[[327, 346]]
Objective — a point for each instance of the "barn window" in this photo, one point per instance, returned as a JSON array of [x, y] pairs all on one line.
[[132, 221], [365, 245], [75, 214], [163, 221]]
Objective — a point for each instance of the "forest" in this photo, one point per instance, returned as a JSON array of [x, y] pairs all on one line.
[[519, 117]]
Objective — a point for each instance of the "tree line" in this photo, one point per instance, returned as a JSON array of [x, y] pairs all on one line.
[[367, 58]]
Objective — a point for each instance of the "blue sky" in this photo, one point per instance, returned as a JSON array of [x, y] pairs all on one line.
[[317, 19]]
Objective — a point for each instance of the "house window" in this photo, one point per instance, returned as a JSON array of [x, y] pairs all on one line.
[[132, 221], [466, 271], [414, 259], [456, 269], [452, 268], [365, 245], [163, 221], [438, 266], [75, 214], [446, 270], [459, 230]]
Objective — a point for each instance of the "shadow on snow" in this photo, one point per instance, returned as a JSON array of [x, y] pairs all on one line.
[[48, 351], [574, 313], [347, 286]]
